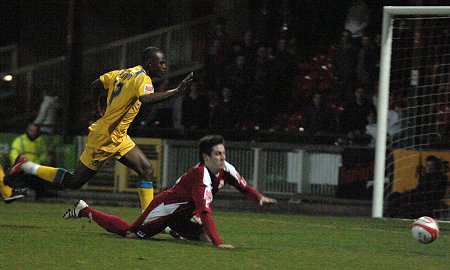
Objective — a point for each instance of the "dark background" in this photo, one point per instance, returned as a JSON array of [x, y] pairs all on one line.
[[40, 27]]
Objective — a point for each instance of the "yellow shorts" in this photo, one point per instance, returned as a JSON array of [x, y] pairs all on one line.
[[99, 148]]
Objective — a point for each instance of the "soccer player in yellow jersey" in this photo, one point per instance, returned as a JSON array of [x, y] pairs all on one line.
[[108, 137]]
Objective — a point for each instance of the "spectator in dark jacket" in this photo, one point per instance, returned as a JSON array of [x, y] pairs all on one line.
[[195, 109], [318, 117], [354, 119], [225, 115], [344, 66]]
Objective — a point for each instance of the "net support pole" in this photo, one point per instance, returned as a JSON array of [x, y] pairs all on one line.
[[383, 93], [382, 109]]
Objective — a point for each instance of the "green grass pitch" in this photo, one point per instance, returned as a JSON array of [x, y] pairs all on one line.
[[35, 236]]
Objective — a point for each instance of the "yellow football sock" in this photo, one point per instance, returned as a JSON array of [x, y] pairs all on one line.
[[145, 191], [5, 191], [50, 174]]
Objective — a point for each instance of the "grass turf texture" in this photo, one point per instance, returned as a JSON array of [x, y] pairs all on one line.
[[35, 236]]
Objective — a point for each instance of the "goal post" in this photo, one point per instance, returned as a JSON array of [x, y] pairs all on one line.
[[392, 78]]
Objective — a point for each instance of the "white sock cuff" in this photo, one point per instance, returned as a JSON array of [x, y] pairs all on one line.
[[30, 167]]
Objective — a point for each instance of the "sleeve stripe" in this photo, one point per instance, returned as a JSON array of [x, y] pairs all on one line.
[[207, 178], [139, 72], [230, 168]]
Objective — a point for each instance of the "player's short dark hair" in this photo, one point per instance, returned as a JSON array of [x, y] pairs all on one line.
[[149, 53], [206, 143]]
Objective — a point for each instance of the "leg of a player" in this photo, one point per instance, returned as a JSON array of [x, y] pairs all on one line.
[[110, 223], [135, 159], [61, 176]]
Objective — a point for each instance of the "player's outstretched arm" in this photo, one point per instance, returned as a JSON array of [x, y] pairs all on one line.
[[205, 238], [266, 200], [160, 96]]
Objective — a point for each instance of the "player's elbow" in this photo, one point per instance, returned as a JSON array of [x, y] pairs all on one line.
[[204, 214], [149, 99]]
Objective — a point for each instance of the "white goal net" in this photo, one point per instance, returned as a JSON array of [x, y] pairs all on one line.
[[413, 140]]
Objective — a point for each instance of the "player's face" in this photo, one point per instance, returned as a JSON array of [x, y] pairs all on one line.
[[158, 65], [216, 161]]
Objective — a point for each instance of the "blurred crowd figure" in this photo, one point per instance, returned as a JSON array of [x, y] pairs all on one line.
[[195, 112], [225, 115], [344, 66], [355, 116], [47, 117], [261, 81], [319, 117], [358, 19]]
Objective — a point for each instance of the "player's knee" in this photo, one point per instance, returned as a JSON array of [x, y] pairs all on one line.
[[73, 185], [73, 182]]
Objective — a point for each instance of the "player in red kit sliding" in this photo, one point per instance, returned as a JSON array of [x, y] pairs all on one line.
[[185, 207]]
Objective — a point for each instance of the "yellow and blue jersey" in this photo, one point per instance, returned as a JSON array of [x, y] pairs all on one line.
[[125, 87]]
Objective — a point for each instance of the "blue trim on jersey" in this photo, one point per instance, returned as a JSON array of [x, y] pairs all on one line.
[[116, 91], [139, 72], [59, 175], [144, 184]]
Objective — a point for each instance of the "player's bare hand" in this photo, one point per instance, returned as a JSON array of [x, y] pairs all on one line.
[[267, 200], [131, 235], [225, 246], [185, 83]]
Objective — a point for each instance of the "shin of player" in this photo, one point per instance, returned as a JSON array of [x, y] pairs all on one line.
[[145, 190]]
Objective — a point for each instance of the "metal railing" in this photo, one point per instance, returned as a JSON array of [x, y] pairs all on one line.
[[271, 168]]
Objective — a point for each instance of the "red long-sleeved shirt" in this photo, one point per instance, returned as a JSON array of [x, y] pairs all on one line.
[[196, 188]]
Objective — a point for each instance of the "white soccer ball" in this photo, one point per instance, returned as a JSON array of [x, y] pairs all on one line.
[[425, 230]]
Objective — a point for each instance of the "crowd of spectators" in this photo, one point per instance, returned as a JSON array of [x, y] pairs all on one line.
[[278, 77], [262, 81]]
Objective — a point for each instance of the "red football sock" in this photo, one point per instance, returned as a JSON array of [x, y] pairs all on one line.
[[110, 223]]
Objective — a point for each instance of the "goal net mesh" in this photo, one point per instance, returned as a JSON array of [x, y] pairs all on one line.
[[418, 128]]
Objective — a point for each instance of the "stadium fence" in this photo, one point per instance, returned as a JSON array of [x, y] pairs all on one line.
[[270, 167]]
